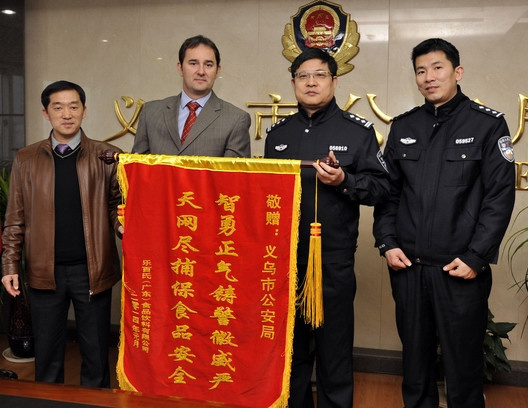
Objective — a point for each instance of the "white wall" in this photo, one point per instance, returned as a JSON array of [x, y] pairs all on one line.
[[64, 40]]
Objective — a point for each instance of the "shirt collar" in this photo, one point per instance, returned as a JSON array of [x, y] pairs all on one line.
[[73, 143], [185, 99]]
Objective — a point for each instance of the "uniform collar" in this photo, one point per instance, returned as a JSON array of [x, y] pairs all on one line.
[[322, 114], [448, 107]]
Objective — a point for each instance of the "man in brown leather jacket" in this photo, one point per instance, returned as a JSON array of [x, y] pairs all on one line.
[[62, 212]]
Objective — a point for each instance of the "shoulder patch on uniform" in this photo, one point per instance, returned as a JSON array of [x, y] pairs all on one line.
[[486, 110], [402, 115], [506, 148], [279, 123], [356, 119]]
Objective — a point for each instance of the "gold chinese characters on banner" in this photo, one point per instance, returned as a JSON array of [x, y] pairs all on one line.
[[209, 275]]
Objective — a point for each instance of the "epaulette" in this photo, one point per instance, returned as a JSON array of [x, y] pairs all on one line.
[[405, 113], [486, 110], [279, 123], [356, 119]]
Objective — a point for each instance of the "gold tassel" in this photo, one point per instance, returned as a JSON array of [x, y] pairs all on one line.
[[311, 297]]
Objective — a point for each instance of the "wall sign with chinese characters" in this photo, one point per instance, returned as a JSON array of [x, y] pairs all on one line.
[[325, 25]]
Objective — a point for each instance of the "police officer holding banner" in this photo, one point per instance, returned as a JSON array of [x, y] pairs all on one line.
[[319, 129]]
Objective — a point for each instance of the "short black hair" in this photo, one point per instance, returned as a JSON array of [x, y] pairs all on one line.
[[436, 44], [61, 86], [194, 42], [314, 53]]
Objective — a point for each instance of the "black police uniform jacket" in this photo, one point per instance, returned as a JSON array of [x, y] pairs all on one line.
[[452, 184], [354, 143]]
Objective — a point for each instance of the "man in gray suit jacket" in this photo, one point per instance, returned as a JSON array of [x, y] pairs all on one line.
[[220, 128]]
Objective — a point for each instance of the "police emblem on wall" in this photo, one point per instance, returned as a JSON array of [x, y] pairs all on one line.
[[323, 25]]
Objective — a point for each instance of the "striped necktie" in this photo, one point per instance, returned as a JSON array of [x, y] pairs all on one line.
[[190, 119]]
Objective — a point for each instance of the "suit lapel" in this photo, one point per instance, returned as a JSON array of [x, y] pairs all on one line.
[[210, 112], [170, 116]]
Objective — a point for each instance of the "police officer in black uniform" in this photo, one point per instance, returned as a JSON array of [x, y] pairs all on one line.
[[321, 129], [452, 193]]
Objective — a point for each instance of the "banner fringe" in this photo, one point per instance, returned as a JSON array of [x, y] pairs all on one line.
[[122, 379], [282, 401]]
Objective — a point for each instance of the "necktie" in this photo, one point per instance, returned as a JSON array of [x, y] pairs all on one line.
[[190, 119], [62, 149]]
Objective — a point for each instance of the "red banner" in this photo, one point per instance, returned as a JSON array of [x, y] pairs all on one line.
[[209, 261]]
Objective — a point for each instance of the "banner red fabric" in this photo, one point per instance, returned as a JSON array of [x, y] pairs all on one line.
[[208, 279]]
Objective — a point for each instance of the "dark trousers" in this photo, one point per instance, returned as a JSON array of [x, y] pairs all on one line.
[[49, 313], [331, 344], [433, 307]]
